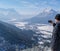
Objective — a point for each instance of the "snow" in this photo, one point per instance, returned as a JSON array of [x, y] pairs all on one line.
[[47, 10], [39, 28], [20, 24], [45, 36], [47, 29], [40, 42], [11, 20]]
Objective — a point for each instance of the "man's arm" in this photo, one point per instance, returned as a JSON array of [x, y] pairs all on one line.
[[52, 23]]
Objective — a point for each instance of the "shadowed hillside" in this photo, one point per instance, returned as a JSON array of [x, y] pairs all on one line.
[[15, 35]]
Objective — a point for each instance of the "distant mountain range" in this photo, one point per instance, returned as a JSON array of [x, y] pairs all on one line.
[[44, 16], [11, 15]]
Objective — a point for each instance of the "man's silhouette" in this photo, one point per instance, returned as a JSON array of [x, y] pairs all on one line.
[[56, 34]]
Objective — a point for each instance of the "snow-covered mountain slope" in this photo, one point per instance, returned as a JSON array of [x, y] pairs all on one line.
[[15, 35], [47, 29], [43, 31], [44, 16], [11, 36]]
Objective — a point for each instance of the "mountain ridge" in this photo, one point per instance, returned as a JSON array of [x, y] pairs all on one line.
[[15, 35], [43, 17]]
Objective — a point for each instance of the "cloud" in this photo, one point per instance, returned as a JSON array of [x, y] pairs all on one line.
[[51, 2], [28, 8], [28, 4], [25, 2], [54, 2]]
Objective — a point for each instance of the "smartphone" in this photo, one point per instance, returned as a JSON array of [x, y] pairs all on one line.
[[50, 21]]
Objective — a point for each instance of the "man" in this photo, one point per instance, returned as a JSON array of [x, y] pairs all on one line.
[[56, 34]]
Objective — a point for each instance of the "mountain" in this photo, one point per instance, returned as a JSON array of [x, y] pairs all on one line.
[[10, 15], [15, 35], [21, 37], [44, 16]]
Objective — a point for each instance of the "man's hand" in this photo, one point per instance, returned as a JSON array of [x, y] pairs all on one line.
[[50, 21]]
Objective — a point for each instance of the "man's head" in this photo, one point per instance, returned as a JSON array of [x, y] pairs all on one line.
[[57, 18]]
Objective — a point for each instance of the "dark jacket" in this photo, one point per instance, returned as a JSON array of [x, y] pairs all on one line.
[[54, 24], [56, 37]]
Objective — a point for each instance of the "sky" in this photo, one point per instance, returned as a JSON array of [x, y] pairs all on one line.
[[30, 7]]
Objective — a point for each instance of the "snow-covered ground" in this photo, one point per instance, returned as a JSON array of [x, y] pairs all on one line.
[[43, 28], [43, 31], [38, 28]]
